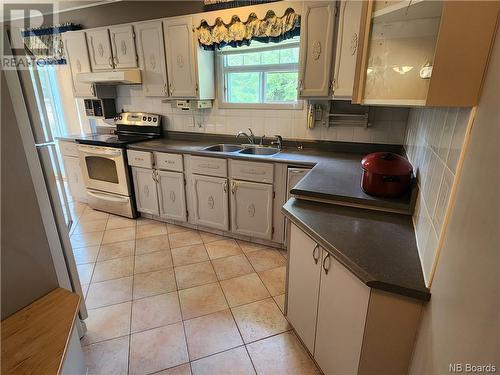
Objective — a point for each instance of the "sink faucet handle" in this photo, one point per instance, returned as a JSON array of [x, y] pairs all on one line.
[[251, 132], [262, 139], [278, 142]]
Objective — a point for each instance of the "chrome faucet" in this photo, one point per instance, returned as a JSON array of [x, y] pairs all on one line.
[[278, 142], [251, 137]]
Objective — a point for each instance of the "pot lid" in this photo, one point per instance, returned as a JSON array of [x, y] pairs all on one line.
[[386, 163]]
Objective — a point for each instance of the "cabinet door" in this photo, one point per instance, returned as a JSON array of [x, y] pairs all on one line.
[[252, 209], [181, 57], [316, 48], [151, 51], [146, 195], [123, 46], [77, 54], [171, 195], [210, 201], [304, 268], [347, 46], [342, 308], [75, 178], [99, 49]]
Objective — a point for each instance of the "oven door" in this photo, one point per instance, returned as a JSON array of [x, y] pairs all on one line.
[[104, 169]]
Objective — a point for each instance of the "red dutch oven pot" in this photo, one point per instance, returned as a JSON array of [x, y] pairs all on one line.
[[385, 174]]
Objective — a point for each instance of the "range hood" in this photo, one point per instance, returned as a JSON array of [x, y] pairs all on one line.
[[115, 77]]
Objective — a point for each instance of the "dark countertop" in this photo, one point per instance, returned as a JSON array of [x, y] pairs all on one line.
[[378, 247], [336, 176]]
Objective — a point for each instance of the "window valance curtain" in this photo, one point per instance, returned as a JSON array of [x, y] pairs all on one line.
[[45, 44], [269, 29]]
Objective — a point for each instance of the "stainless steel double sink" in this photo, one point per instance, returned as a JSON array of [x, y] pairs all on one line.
[[243, 150]]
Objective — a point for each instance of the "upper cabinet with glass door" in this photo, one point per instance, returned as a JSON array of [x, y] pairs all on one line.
[[423, 52]]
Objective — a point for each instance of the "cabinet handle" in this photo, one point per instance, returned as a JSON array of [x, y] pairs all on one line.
[[233, 186], [110, 61], [324, 263], [315, 257], [225, 186], [171, 88], [92, 90], [165, 91], [301, 86]]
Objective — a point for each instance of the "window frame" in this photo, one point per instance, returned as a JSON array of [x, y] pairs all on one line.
[[221, 83]]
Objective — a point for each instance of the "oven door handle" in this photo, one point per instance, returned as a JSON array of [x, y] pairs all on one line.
[[101, 152], [108, 197]]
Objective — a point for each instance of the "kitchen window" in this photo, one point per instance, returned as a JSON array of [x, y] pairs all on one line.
[[259, 76]]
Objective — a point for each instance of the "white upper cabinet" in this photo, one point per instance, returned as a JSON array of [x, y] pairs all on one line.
[[190, 69], [210, 201], [346, 49], [100, 53], [75, 45], [171, 195], [252, 209], [151, 52], [123, 46], [316, 49], [146, 195]]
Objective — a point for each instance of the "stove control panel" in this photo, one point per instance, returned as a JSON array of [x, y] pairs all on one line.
[[137, 119]]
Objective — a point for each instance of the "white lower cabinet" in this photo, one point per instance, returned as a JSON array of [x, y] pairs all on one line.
[[75, 178], [252, 209], [171, 195], [304, 269], [210, 201], [342, 308], [146, 194], [348, 327]]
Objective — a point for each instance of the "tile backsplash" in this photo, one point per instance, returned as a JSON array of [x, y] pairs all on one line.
[[388, 124], [434, 141]]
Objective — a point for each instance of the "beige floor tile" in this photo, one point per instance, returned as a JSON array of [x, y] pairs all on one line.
[[86, 239], [151, 244], [85, 272], [108, 357], [280, 301], [210, 334], [244, 289], [115, 222], [260, 319], [90, 214], [116, 250], [109, 292], [184, 369], [281, 355], [156, 311], [248, 247], [181, 239], [274, 280], [153, 261], [145, 221], [107, 323], [265, 259], [234, 361], [86, 254], [90, 226], [157, 349], [221, 249], [118, 235], [172, 228], [189, 254], [210, 237], [233, 266], [201, 300], [194, 275], [113, 269], [152, 283], [150, 230]]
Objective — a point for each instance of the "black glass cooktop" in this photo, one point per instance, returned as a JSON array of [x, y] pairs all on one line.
[[113, 140]]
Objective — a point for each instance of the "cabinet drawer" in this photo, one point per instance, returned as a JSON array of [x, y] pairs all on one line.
[[140, 159], [251, 171], [209, 166], [169, 162], [68, 148]]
